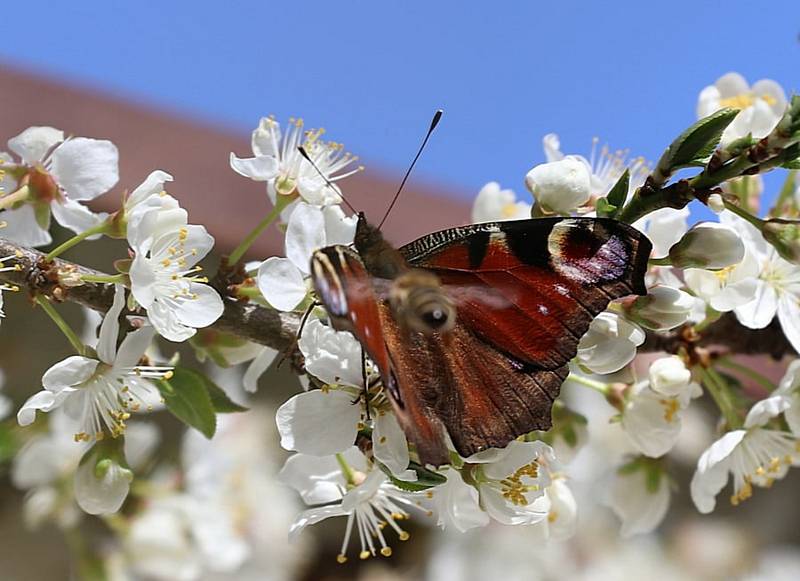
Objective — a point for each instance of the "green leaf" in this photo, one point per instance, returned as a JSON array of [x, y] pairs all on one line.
[[695, 145], [186, 396], [793, 164], [426, 479], [609, 206], [220, 400]]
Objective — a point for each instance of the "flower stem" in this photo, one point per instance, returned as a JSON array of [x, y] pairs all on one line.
[[347, 472], [746, 371], [280, 203], [60, 249], [718, 388], [104, 278], [742, 213], [590, 383], [62, 324], [665, 261], [20, 195]]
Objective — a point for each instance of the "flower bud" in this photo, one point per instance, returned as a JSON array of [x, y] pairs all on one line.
[[609, 344], [669, 376], [716, 203], [103, 479], [560, 186], [708, 245], [784, 235], [662, 309]]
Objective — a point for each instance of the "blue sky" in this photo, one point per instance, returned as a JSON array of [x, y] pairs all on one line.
[[373, 72]]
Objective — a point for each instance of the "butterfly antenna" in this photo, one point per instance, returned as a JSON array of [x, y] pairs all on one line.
[[307, 157], [434, 122]]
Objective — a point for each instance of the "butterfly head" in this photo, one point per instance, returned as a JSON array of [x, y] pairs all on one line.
[[419, 302]]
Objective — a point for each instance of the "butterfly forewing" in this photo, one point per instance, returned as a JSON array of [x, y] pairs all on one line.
[[346, 289], [556, 275]]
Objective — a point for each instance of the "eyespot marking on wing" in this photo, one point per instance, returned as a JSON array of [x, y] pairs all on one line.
[[587, 253]]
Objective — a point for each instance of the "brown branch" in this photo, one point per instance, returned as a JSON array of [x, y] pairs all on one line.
[[729, 333], [249, 321], [278, 330]]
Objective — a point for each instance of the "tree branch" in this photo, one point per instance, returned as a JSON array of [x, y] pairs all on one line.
[[253, 322], [278, 330]]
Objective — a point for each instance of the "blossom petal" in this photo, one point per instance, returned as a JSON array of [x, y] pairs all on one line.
[[44, 401], [504, 512], [319, 423], [33, 144], [339, 229], [789, 317], [258, 169], [101, 494], [77, 217], [712, 471], [319, 480], [109, 328], [22, 227], [760, 311], [766, 409], [257, 368], [640, 510], [153, 184], [281, 283], [133, 347], [305, 233], [313, 516], [330, 355], [69, 372], [457, 504], [202, 309], [389, 444], [85, 168]]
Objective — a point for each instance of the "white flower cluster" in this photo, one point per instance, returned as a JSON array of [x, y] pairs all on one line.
[[351, 458]]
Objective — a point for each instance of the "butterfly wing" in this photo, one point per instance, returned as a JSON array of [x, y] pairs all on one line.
[[548, 278], [495, 376], [346, 289], [544, 281]]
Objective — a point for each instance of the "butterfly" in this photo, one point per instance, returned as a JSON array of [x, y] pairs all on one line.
[[472, 328]]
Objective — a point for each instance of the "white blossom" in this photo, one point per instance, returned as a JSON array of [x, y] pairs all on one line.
[[323, 422], [60, 174], [664, 228], [277, 161], [662, 309], [99, 393], [610, 343], [560, 186], [457, 504], [509, 481], [640, 497], [708, 245], [753, 456], [494, 204], [164, 270], [605, 167], [366, 498], [283, 281], [653, 409], [102, 482], [761, 106]]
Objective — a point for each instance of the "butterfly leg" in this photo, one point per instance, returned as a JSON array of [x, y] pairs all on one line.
[[364, 390], [299, 334]]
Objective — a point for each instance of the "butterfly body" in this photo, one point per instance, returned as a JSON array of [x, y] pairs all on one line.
[[475, 334]]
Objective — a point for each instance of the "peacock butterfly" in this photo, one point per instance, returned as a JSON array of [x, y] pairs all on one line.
[[475, 332]]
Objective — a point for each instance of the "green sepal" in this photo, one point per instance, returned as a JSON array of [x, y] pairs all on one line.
[[426, 479], [604, 209]]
